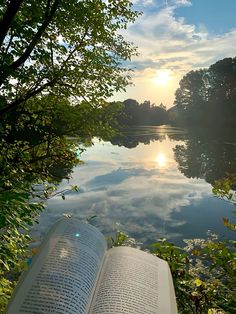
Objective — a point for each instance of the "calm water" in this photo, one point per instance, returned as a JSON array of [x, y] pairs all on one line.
[[153, 182]]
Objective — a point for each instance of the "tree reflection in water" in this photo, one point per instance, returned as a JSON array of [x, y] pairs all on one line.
[[207, 154]]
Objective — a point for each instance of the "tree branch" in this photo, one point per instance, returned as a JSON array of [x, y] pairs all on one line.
[[8, 17], [34, 92], [36, 37], [30, 94], [8, 45], [21, 60]]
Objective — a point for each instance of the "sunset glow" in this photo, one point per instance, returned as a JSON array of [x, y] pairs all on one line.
[[161, 160], [174, 37], [163, 77]]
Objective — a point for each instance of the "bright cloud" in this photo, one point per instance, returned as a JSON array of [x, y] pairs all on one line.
[[169, 42]]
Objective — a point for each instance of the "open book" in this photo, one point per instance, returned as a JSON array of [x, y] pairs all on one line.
[[74, 273]]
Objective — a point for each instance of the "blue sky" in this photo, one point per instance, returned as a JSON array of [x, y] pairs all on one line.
[[216, 15], [174, 37]]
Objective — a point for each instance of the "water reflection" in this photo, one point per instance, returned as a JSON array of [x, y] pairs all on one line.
[[159, 188], [134, 136], [207, 155], [161, 160]]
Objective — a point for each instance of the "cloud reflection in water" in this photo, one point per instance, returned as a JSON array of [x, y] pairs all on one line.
[[128, 188]]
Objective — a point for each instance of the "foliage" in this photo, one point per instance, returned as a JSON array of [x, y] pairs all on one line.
[[207, 96], [36, 154], [9, 279], [145, 113], [67, 48], [6, 288], [225, 188], [59, 60], [204, 274], [119, 239]]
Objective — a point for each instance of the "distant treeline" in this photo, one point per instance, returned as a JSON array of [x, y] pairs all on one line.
[[205, 97], [133, 113]]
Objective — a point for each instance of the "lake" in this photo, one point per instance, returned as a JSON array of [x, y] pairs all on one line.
[[152, 182]]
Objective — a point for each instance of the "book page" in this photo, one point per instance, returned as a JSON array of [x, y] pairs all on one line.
[[62, 277], [133, 281]]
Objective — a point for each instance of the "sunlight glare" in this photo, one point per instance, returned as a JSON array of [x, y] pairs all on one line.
[[161, 160], [163, 77]]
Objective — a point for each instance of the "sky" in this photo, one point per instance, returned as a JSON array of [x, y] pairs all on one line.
[[174, 37]]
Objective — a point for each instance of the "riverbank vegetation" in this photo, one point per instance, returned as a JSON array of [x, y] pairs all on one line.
[[59, 60]]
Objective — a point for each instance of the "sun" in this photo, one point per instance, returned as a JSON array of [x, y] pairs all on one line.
[[161, 160], [163, 77]]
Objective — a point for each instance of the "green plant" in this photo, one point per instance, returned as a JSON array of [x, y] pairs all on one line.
[[204, 274], [6, 288]]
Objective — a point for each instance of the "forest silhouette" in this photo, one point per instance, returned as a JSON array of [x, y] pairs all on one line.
[[205, 97]]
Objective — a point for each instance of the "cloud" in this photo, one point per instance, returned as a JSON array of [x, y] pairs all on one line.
[[181, 3], [115, 177], [161, 3], [169, 42], [143, 2]]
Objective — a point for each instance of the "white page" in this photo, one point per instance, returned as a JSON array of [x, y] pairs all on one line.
[[133, 281], [61, 279]]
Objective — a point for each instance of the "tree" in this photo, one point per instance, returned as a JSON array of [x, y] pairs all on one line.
[[190, 97], [145, 113], [59, 60], [66, 48], [208, 96], [222, 90], [162, 106], [222, 79]]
